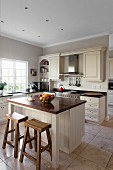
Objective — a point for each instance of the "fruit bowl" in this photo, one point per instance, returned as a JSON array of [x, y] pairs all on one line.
[[46, 98]]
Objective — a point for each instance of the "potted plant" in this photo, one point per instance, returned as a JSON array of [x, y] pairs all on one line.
[[2, 87]]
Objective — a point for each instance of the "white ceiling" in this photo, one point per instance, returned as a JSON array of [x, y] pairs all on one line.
[[78, 18]]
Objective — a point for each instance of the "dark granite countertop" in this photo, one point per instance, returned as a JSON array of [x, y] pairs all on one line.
[[58, 105], [88, 94], [5, 95], [29, 92], [83, 92]]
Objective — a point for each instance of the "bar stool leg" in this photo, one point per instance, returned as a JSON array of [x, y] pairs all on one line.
[[38, 164], [16, 140], [49, 142], [30, 143], [6, 134], [24, 144], [18, 132], [35, 141]]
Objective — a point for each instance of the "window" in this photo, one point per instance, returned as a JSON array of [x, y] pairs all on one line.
[[14, 73]]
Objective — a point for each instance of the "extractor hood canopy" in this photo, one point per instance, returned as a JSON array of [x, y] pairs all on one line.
[[73, 66]]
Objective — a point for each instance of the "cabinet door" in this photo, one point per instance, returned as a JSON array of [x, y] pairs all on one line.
[[93, 64], [54, 67], [3, 111], [110, 68]]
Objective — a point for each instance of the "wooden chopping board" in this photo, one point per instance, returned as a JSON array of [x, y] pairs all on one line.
[[93, 94]]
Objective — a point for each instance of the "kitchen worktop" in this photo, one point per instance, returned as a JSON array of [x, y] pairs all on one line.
[[83, 92], [5, 95], [27, 92], [58, 105]]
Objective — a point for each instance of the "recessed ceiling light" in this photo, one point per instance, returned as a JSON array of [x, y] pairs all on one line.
[[47, 20], [23, 30], [2, 21], [62, 29], [39, 36], [26, 7]]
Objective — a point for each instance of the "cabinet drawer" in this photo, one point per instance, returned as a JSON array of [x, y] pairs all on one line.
[[92, 105], [91, 112], [3, 110], [3, 100], [93, 119], [91, 99]]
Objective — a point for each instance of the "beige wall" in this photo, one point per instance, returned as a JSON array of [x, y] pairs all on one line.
[[13, 49], [72, 46]]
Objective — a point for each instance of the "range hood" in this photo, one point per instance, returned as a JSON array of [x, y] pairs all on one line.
[[72, 65]]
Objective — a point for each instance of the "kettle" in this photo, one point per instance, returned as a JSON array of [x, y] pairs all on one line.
[[61, 88]]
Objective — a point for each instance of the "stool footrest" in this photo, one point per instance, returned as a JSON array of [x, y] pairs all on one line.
[[8, 142], [43, 148], [30, 140], [20, 137], [29, 156], [11, 130]]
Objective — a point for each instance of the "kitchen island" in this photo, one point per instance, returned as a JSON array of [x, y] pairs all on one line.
[[66, 115]]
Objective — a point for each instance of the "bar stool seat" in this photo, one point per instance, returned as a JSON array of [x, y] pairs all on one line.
[[38, 127], [16, 118]]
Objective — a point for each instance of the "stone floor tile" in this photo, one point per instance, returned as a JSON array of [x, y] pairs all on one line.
[[106, 133], [3, 166], [108, 123], [44, 166], [88, 137], [103, 143], [93, 128], [110, 163], [15, 164], [6, 153], [84, 164], [96, 155], [80, 148], [0, 160]]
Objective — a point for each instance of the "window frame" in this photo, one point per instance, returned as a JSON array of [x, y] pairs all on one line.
[[14, 72]]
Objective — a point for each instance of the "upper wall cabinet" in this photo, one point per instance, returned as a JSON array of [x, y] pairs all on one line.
[[110, 67], [56, 66], [94, 65]]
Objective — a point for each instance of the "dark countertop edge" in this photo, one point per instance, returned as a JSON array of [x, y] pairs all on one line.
[[26, 92], [6, 95], [81, 92], [49, 111], [99, 96]]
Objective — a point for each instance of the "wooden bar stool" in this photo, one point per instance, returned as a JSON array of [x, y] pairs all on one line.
[[39, 127], [17, 118]]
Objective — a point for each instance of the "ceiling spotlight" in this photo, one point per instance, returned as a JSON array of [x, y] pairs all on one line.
[[47, 20], [2, 21], [23, 30], [62, 29], [39, 36], [26, 7]]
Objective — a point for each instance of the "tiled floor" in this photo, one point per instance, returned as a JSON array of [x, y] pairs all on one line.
[[94, 153]]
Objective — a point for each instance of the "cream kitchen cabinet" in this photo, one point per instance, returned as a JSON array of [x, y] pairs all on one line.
[[94, 65], [3, 108], [56, 66], [94, 109], [110, 67]]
